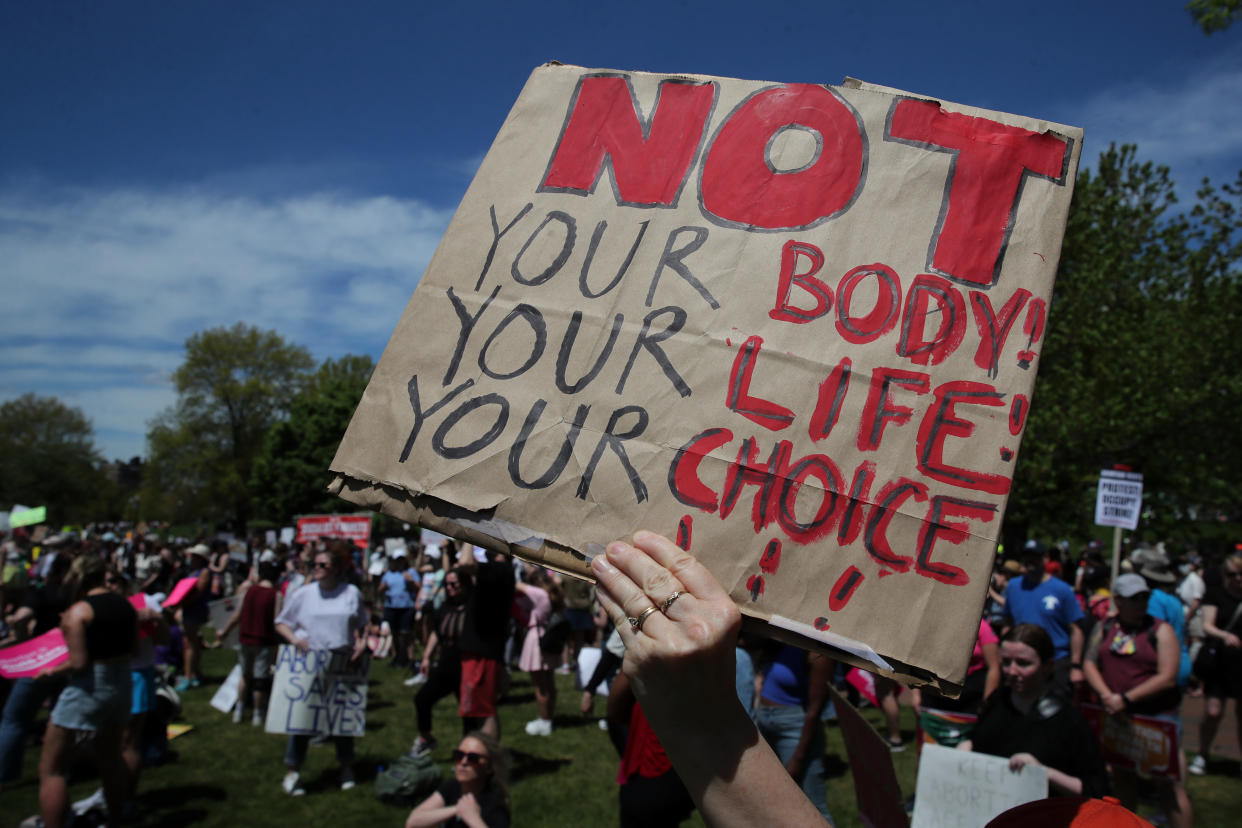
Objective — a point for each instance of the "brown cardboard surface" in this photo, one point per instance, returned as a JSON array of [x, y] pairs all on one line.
[[796, 325]]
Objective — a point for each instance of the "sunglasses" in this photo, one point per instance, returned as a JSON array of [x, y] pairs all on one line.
[[451, 583], [1232, 574], [471, 758], [322, 565]]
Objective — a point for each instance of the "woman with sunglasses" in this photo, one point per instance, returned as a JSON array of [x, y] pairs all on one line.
[[476, 796], [326, 614], [442, 657]]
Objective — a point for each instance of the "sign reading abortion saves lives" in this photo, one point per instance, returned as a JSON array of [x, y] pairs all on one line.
[[318, 692], [794, 326]]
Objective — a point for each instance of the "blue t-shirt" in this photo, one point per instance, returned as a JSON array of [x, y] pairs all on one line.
[[1050, 604], [396, 596], [1167, 607], [785, 679]]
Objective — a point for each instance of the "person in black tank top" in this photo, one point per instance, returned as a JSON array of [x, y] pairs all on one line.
[[101, 633]]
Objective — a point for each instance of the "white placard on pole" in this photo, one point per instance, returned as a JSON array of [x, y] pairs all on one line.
[[1119, 499]]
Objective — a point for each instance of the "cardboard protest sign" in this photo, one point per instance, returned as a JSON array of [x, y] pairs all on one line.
[[31, 657], [871, 765], [1145, 744], [219, 612], [355, 528], [959, 787], [225, 698], [795, 326], [318, 691]]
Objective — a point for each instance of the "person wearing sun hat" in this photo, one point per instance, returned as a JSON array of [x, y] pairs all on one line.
[[194, 614], [1166, 606]]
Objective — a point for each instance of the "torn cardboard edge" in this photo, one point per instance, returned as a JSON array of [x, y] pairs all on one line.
[[502, 536]]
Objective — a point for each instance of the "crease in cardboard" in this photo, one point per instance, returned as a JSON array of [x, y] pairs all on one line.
[[840, 642]]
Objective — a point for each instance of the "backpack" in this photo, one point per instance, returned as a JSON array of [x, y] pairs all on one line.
[[408, 780]]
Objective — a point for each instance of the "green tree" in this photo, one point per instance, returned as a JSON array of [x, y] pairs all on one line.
[[1140, 365], [291, 472], [235, 384], [1214, 15], [48, 458]]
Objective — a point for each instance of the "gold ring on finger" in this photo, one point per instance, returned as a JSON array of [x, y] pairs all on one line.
[[636, 624], [668, 602]]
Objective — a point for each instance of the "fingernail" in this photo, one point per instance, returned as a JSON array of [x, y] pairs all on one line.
[[601, 565]]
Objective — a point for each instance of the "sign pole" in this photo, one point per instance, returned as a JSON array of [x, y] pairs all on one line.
[[1112, 604]]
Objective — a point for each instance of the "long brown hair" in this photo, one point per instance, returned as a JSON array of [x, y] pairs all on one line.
[[498, 759]]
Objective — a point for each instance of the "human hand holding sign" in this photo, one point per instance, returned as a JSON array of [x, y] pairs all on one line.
[[680, 628]]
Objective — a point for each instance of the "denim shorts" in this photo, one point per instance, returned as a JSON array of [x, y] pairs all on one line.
[[98, 697]]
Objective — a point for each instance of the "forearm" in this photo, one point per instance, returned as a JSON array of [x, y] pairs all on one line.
[[1063, 782], [1096, 680], [1152, 686], [287, 634], [732, 774], [431, 816]]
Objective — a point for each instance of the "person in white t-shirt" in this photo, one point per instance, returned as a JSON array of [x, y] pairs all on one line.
[[327, 614]]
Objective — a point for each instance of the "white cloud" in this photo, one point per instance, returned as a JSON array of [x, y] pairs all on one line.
[[1192, 122], [101, 288]]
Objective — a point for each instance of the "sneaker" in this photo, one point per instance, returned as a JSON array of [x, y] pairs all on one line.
[[182, 685], [421, 747], [196, 682], [564, 670], [897, 746], [257, 719], [603, 724], [85, 806], [1198, 765], [417, 678], [539, 727], [238, 713], [347, 779], [291, 786]]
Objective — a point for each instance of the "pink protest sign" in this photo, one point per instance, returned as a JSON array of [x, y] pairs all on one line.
[[30, 657], [179, 592]]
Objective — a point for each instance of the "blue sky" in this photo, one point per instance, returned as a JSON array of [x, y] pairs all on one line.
[[167, 167]]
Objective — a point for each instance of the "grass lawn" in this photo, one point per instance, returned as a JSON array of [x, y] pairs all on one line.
[[229, 775]]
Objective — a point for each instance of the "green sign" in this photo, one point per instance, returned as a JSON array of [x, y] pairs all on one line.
[[28, 517]]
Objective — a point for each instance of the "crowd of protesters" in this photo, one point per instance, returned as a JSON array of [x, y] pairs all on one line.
[[1056, 632]]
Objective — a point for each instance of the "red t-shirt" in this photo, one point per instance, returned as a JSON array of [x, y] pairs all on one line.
[[257, 624], [644, 755]]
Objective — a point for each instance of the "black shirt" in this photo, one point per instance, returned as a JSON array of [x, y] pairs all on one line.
[[488, 611], [1053, 731], [491, 806]]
